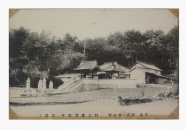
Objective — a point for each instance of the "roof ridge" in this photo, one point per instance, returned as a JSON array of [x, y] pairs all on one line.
[[94, 63], [143, 64]]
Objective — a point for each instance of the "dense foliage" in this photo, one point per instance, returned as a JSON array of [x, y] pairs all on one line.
[[61, 55]]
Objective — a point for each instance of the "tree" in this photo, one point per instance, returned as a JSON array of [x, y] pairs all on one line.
[[21, 78], [30, 45], [173, 42], [116, 39], [16, 40], [132, 45], [62, 55], [95, 49], [153, 45], [172, 49]]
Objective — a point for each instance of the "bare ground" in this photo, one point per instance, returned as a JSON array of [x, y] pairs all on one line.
[[95, 102]]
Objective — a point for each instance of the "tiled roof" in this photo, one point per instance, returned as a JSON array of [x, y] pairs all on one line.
[[147, 71], [147, 66], [112, 66], [87, 65]]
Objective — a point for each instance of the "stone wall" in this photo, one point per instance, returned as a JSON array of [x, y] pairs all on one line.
[[97, 84], [110, 91], [114, 83], [149, 92]]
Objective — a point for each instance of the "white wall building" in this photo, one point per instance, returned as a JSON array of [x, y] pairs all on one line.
[[147, 73]]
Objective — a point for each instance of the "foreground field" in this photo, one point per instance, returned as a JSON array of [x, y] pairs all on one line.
[[101, 102], [102, 107]]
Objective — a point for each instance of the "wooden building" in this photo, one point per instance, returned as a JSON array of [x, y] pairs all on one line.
[[113, 70], [88, 69], [147, 73]]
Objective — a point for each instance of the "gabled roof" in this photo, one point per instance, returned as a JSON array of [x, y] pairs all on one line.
[[87, 65], [146, 71], [112, 66], [147, 66]]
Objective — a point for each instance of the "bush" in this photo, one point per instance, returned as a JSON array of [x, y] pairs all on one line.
[[177, 92], [34, 81], [21, 77], [128, 101], [56, 82], [18, 78], [12, 80]]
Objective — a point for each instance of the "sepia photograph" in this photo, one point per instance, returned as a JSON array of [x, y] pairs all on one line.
[[94, 63]]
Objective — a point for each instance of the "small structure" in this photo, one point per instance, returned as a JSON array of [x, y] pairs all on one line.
[[28, 83], [113, 70], [51, 85], [88, 69], [146, 73]]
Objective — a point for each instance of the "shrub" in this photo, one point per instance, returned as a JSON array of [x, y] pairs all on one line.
[[18, 78], [161, 95], [21, 77], [177, 92], [170, 94], [56, 82], [128, 101], [12, 80], [34, 82]]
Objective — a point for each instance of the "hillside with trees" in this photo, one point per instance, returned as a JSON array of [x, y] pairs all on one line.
[[51, 55]]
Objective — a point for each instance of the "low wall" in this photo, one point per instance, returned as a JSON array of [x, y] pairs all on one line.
[[114, 83], [96, 84], [169, 87], [150, 92], [124, 88]]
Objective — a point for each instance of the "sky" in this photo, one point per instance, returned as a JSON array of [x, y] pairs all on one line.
[[91, 23]]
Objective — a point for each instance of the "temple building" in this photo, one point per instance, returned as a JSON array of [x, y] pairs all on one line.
[[88, 69], [113, 70]]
